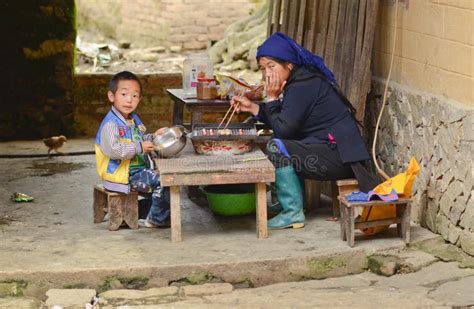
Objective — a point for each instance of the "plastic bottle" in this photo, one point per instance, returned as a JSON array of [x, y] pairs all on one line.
[[195, 66]]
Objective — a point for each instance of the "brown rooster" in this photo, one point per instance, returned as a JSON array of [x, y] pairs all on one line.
[[54, 143]]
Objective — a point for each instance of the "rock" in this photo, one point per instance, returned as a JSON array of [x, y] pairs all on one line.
[[125, 44], [175, 48], [20, 303], [463, 289], [386, 265], [9, 289], [69, 297], [207, 289], [442, 224], [467, 242], [136, 294], [156, 49], [415, 260], [467, 218], [453, 234]]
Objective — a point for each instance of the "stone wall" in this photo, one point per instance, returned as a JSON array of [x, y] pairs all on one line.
[[188, 24], [37, 68], [439, 132]]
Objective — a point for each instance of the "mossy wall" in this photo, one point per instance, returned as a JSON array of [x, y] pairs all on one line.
[[37, 67]]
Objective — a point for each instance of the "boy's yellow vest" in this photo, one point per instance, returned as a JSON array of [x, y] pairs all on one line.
[[114, 170]]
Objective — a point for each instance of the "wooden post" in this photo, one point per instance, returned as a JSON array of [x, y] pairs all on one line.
[[261, 193], [175, 214]]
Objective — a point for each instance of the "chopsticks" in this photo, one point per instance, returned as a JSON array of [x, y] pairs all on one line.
[[231, 115]]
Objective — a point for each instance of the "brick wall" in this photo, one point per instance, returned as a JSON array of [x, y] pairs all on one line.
[[434, 50], [191, 24]]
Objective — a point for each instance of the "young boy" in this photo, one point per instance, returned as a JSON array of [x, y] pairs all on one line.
[[122, 149]]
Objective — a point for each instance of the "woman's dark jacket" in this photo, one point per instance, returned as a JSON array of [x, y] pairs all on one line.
[[309, 111]]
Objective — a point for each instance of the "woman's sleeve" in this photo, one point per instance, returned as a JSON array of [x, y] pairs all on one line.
[[262, 116], [113, 148], [286, 118]]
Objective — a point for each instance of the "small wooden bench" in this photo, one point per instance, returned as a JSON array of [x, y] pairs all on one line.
[[120, 207], [348, 224]]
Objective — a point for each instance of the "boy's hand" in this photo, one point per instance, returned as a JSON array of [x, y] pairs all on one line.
[[147, 147], [161, 131]]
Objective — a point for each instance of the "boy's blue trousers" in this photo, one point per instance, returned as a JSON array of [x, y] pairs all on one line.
[[148, 181]]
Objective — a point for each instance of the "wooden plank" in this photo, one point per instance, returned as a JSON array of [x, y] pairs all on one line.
[[349, 42], [350, 227], [301, 23], [363, 225], [346, 182], [342, 221], [331, 36], [189, 162], [371, 18], [276, 24], [339, 40], [357, 76], [324, 14], [292, 18], [175, 211], [271, 19], [210, 178], [401, 200], [311, 21], [261, 193], [285, 14]]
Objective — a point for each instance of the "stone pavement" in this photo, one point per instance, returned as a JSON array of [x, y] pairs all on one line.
[[53, 244]]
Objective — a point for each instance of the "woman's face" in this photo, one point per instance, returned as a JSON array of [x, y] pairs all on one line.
[[269, 66]]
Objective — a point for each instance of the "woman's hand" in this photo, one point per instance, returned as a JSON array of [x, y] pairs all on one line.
[[243, 104], [147, 147], [274, 86]]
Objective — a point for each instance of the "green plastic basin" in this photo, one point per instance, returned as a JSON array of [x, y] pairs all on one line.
[[231, 200]]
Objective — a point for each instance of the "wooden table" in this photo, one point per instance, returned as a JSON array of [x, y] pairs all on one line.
[[191, 169], [195, 106]]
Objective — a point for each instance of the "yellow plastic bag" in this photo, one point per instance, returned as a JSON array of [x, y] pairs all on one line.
[[402, 183]]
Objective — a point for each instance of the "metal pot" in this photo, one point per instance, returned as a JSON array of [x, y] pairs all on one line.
[[170, 142]]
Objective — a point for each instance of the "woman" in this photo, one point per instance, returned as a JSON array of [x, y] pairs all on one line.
[[315, 132]]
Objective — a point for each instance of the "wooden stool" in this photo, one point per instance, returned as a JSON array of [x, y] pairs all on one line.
[[338, 187], [120, 207], [342, 188], [348, 225]]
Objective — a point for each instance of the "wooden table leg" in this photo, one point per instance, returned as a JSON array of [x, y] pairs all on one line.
[[351, 226], [178, 112], [342, 221], [175, 214], [406, 213], [261, 193]]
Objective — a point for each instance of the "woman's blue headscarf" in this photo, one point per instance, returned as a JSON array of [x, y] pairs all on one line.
[[284, 48]]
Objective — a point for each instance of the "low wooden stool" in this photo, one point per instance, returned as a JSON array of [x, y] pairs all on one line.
[[120, 207], [341, 188], [348, 225]]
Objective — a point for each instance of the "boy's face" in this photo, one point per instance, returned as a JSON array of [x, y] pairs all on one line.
[[126, 98]]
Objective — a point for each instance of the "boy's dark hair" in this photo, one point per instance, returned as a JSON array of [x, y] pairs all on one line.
[[124, 75]]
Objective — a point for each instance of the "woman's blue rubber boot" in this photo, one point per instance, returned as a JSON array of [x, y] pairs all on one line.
[[290, 196]]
